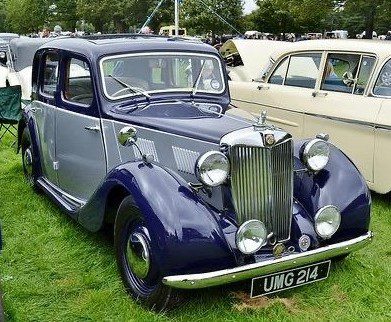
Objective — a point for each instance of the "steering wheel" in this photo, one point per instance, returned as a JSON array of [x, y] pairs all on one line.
[[136, 89]]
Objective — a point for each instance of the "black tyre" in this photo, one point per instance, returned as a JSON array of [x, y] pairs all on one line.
[[137, 261], [28, 158]]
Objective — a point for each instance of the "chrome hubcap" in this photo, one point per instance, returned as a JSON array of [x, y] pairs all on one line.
[[28, 162], [137, 255]]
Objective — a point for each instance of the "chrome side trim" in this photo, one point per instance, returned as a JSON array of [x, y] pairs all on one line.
[[334, 118], [194, 281]]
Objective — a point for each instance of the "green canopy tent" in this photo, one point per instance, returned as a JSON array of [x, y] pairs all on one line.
[[10, 109]]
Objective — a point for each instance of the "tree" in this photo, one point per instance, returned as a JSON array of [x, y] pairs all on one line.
[[363, 15], [25, 16], [299, 16], [199, 18]]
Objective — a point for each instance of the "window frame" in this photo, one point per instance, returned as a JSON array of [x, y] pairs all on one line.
[[346, 52], [42, 73], [157, 53], [296, 53], [379, 70], [361, 54], [65, 76]]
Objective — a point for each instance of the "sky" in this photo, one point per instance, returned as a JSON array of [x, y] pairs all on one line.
[[249, 5]]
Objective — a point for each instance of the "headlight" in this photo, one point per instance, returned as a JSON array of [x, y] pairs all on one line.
[[327, 221], [212, 168], [316, 154], [251, 236]]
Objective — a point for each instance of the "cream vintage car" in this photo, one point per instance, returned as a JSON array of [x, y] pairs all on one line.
[[338, 87]]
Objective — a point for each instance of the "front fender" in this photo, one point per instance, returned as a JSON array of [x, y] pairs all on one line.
[[339, 184], [185, 231]]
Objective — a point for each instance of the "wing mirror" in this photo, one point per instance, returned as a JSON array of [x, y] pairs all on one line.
[[348, 79], [127, 136]]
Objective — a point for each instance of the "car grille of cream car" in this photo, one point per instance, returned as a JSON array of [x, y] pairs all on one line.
[[262, 185]]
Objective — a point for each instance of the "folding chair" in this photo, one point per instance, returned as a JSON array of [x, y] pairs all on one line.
[[10, 110]]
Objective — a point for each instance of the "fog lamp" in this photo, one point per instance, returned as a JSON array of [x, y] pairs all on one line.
[[327, 221], [251, 236]]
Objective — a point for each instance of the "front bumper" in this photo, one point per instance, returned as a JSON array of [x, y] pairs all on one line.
[[240, 273]]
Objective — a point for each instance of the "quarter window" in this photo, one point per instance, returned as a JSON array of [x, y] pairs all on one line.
[[279, 73], [383, 83], [303, 70], [340, 73], [78, 83], [50, 74], [366, 67]]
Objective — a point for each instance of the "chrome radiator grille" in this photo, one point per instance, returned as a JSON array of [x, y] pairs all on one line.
[[262, 185]]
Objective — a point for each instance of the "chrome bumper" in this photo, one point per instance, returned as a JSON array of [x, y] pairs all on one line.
[[226, 276]]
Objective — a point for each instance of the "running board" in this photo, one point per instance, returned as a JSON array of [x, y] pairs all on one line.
[[70, 203]]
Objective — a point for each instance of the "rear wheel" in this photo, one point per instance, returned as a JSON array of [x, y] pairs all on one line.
[[28, 158], [136, 261]]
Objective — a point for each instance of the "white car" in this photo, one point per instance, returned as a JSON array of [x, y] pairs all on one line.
[[340, 87]]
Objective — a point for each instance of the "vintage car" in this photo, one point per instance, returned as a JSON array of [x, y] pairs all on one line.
[[145, 140], [341, 87]]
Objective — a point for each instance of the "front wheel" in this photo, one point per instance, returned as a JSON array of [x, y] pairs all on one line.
[[136, 261]]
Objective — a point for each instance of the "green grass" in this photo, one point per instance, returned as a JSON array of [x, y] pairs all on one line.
[[53, 270]]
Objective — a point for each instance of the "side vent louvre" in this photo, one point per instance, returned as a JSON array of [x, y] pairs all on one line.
[[146, 147], [185, 159]]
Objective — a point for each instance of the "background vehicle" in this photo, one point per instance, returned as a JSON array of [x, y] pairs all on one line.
[[170, 31], [338, 87], [146, 140]]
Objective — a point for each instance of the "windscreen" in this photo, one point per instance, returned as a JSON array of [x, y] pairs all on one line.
[[128, 75]]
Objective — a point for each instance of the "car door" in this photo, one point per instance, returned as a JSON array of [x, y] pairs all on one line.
[[287, 92], [80, 150], [382, 155], [44, 111], [342, 108]]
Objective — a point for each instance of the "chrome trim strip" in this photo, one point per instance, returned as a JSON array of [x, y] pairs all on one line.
[[194, 281], [334, 118]]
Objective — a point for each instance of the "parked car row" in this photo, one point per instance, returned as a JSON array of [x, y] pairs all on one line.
[[139, 132]]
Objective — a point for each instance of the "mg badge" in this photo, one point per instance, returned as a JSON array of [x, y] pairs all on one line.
[[278, 250], [269, 139], [304, 242]]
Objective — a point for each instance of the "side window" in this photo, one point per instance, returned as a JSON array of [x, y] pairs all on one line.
[[279, 73], [366, 67], [340, 72], [78, 83], [50, 74], [303, 70], [383, 83]]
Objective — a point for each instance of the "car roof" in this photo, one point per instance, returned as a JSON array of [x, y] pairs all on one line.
[[96, 46], [379, 47]]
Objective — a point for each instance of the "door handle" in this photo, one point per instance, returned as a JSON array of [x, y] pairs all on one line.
[[95, 128], [262, 87], [319, 94]]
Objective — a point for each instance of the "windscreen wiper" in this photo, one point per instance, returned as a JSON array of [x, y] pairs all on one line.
[[133, 89], [197, 81]]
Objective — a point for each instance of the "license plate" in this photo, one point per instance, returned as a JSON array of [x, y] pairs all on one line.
[[289, 279]]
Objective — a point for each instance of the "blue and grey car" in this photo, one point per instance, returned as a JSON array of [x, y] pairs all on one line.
[[138, 132]]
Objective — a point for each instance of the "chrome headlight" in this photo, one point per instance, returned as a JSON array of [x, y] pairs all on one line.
[[212, 168], [251, 236], [327, 221], [316, 154]]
